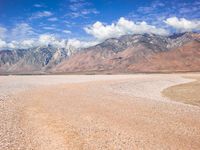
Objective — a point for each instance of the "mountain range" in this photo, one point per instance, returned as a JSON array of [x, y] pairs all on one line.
[[126, 54]]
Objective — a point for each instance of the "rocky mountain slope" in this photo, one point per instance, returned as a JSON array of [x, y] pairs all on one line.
[[138, 53], [129, 53], [32, 60], [184, 58]]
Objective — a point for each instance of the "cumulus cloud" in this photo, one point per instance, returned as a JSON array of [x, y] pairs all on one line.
[[41, 40], [19, 44], [183, 24], [122, 27], [23, 35], [80, 44], [3, 44], [47, 39], [27, 43]]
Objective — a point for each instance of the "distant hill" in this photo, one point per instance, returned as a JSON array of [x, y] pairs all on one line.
[[127, 54]]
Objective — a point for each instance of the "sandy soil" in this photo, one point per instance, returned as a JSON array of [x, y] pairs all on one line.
[[95, 112]]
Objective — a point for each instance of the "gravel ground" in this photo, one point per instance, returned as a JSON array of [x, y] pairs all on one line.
[[95, 112]]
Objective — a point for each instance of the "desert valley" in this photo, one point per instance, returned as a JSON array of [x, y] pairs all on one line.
[[134, 107], [99, 112], [99, 75]]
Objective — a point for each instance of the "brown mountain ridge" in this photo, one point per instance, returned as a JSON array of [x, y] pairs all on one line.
[[138, 53], [127, 54]]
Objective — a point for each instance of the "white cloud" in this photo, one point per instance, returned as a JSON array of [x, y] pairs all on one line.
[[81, 8], [41, 14], [15, 36], [78, 5], [42, 40], [13, 45], [82, 13], [76, 1], [183, 24], [80, 44], [122, 27], [53, 19], [17, 45], [3, 44], [47, 39], [74, 14], [149, 9], [49, 28], [67, 31], [28, 43], [3, 32], [22, 31], [38, 5], [22, 36], [89, 11]]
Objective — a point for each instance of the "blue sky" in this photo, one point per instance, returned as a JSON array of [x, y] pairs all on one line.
[[94, 20]]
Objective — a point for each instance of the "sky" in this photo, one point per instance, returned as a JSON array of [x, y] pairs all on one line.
[[83, 23]]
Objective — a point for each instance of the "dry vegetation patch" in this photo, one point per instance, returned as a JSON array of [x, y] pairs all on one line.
[[188, 93]]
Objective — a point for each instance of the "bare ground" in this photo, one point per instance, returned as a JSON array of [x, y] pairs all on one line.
[[95, 112]]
